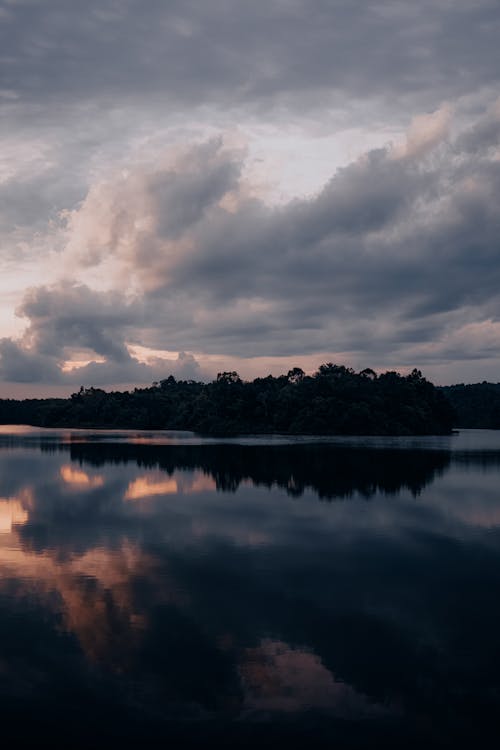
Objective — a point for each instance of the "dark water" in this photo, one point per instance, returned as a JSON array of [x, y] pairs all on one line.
[[163, 591]]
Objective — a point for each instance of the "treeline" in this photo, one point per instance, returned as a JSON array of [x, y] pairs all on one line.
[[475, 405], [334, 401]]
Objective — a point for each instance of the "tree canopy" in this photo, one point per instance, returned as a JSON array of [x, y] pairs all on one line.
[[335, 400], [475, 405]]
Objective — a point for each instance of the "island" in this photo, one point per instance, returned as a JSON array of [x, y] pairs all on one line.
[[335, 400]]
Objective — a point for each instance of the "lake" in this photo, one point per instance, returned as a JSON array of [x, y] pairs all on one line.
[[159, 588]]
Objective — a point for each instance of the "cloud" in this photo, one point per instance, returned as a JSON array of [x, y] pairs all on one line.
[[69, 323], [70, 315], [183, 367], [277, 677], [425, 132], [393, 253], [20, 365], [143, 215], [240, 53]]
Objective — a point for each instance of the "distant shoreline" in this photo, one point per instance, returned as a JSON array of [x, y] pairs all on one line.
[[334, 401]]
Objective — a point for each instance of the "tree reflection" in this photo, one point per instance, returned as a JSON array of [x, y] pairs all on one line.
[[329, 471], [174, 602]]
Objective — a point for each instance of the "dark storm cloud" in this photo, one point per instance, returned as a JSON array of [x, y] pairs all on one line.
[[189, 51], [398, 251], [27, 200], [265, 252], [21, 365], [396, 246], [69, 318], [85, 81], [76, 316], [61, 319], [394, 260], [183, 195]]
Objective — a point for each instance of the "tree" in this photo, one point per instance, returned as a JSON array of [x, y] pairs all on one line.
[[415, 376], [228, 377], [336, 371], [296, 375], [368, 373], [167, 382]]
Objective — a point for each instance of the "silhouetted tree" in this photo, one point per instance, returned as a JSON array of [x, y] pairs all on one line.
[[335, 400]]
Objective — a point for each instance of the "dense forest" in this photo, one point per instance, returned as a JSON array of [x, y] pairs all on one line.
[[475, 405], [334, 401]]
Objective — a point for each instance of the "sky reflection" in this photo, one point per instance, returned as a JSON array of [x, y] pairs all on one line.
[[250, 584], [79, 478]]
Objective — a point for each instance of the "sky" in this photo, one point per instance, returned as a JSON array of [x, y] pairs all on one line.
[[192, 186]]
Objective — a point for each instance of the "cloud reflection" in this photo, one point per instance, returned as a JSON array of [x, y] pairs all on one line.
[[94, 594], [13, 510], [79, 478], [183, 484], [247, 601], [147, 487], [277, 677]]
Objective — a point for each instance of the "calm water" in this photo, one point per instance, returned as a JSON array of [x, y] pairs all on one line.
[[166, 590]]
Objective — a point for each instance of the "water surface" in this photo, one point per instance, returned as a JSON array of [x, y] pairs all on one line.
[[159, 588]]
